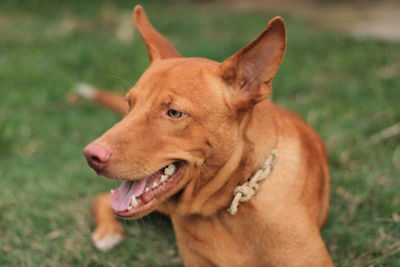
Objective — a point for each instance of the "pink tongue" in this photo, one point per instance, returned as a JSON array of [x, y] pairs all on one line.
[[122, 196]]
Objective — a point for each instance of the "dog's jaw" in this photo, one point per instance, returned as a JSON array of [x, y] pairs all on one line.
[[134, 199]]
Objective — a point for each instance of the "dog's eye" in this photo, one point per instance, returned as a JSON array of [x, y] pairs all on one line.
[[175, 114]]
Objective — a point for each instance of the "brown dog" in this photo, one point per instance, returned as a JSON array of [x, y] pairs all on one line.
[[196, 133]]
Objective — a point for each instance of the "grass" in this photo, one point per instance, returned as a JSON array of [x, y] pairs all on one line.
[[347, 89]]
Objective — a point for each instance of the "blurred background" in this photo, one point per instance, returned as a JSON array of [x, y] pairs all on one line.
[[341, 73]]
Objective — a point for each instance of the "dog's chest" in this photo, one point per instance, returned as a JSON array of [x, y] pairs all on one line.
[[219, 243]]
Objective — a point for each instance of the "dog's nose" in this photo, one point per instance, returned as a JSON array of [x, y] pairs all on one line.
[[97, 156]]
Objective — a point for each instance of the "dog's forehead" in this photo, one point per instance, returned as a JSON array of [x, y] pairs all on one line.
[[185, 77]]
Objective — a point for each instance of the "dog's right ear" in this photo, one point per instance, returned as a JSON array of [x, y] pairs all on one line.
[[157, 46]]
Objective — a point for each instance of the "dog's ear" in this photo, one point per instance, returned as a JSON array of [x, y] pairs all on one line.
[[157, 46], [249, 72]]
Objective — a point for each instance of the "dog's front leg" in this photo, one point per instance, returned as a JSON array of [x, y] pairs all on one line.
[[108, 232]]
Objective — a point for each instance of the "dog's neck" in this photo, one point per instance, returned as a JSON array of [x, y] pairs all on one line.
[[216, 193]]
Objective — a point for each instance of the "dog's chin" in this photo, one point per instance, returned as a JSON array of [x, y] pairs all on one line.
[[136, 198]]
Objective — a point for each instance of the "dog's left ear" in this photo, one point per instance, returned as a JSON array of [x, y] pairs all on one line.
[[157, 46], [249, 72]]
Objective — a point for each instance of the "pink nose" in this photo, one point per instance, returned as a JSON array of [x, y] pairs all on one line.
[[96, 156]]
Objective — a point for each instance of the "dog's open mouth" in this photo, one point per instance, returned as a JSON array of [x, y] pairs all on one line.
[[136, 197]]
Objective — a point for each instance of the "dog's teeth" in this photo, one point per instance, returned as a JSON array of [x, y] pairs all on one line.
[[134, 202], [170, 169], [147, 189], [163, 178], [155, 184], [129, 207]]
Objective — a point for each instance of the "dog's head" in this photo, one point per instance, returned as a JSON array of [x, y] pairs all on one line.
[[185, 119]]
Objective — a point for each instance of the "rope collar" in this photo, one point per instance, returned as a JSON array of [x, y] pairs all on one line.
[[247, 190]]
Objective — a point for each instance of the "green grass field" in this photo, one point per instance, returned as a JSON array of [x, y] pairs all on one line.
[[347, 89]]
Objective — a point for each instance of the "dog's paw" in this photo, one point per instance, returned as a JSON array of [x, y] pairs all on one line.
[[107, 236]]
